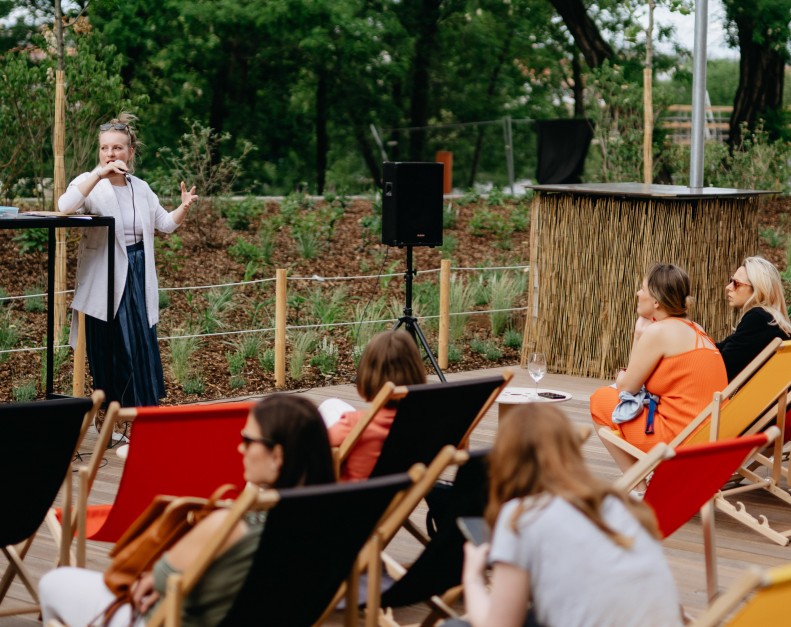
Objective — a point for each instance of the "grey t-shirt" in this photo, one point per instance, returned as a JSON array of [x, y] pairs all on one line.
[[578, 576]]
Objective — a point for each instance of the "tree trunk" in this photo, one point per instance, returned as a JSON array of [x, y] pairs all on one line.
[[579, 92], [322, 139], [586, 34], [761, 76], [425, 45]]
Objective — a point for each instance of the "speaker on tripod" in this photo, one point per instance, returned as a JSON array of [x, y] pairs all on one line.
[[412, 216], [412, 204]]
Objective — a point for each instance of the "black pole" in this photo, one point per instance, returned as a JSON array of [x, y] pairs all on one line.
[[410, 323]]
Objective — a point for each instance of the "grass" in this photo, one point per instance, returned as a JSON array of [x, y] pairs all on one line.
[[505, 290], [301, 344], [9, 334], [34, 302], [182, 352]]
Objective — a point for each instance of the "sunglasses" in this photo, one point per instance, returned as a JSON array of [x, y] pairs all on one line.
[[114, 126], [737, 284], [247, 441]]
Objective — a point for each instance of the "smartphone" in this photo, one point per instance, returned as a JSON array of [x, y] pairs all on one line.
[[474, 528], [552, 395]]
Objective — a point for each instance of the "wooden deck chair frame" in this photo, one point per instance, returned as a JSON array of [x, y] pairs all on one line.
[[16, 553], [721, 457], [759, 597], [87, 474], [755, 397], [391, 392], [252, 498], [393, 520]]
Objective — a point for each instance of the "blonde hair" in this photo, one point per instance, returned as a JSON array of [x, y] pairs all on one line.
[[670, 287], [537, 451], [767, 291], [128, 120]]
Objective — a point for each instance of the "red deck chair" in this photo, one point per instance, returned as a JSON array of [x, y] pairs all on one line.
[[686, 480], [186, 450]]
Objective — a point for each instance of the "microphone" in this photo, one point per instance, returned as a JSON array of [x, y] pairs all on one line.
[[127, 177]]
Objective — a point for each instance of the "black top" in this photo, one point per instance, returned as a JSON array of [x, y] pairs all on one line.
[[751, 336]]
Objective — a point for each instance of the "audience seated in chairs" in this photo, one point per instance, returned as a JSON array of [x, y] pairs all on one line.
[[284, 444], [579, 550], [389, 356]]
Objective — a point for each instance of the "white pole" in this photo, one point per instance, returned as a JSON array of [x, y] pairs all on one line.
[[698, 95]]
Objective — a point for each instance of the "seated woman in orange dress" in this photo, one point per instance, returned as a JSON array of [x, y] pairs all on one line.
[[672, 358], [389, 356]]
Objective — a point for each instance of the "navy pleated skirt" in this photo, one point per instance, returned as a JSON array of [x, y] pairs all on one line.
[[137, 366]]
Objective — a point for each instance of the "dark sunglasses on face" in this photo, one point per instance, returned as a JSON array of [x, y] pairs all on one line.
[[114, 126], [247, 441], [737, 284]]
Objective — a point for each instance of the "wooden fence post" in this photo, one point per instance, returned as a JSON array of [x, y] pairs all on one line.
[[444, 312], [78, 380], [280, 328]]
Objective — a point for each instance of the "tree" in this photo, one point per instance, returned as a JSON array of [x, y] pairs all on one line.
[[762, 31]]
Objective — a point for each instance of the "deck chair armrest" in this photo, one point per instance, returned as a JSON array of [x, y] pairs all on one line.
[[729, 599], [380, 400], [608, 434], [644, 466]]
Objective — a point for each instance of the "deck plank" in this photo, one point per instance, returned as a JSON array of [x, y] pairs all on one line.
[[737, 547]]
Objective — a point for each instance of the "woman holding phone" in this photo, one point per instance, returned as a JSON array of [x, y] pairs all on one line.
[[567, 548]]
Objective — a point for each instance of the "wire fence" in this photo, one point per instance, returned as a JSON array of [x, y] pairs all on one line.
[[316, 278]]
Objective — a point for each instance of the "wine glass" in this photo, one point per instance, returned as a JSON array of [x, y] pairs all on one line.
[[537, 367]]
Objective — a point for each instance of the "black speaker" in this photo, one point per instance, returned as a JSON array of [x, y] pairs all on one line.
[[412, 204]]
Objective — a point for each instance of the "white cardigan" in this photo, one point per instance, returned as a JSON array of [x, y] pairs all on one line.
[[90, 294]]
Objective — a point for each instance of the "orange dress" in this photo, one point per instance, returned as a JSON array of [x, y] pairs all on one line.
[[362, 458], [685, 384]]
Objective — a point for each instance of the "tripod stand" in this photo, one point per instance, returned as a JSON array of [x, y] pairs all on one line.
[[409, 322]]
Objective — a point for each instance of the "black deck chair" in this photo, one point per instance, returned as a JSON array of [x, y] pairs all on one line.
[[309, 547], [438, 568], [38, 441], [433, 415]]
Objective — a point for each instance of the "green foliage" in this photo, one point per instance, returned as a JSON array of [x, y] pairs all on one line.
[[302, 343], [34, 302], [505, 290], [267, 360], [449, 245], [512, 338], [32, 240], [9, 333], [462, 299], [164, 299], [182, 353], [194, 385], [219, 300], [249, 345], [327, 304], [485, 222], [236, 364], [454, 353], [326, 360], [169, 253], [774, 238], [616, 108], [487, 348], [24, 392], [757, 163], [449, 216], [241, 214], [195, 162]]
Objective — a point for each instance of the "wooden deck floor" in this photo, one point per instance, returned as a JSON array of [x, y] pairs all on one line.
[[737, 547]]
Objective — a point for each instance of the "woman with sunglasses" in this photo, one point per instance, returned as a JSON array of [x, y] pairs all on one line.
[[284, 445], [110, 189], [756, 291]]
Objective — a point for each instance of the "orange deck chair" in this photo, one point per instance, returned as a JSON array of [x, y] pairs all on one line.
[[685, 481], [186, 450]]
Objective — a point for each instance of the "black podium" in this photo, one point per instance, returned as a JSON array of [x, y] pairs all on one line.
[[52, 222]]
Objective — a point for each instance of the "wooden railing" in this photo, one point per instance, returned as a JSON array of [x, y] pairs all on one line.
[[677, 119]]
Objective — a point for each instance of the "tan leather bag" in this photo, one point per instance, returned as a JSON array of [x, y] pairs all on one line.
[[163, 523]]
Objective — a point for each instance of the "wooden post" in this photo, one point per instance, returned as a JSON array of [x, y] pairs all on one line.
[[444, 312], [78, 379], [648, 100], [280, 328]]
